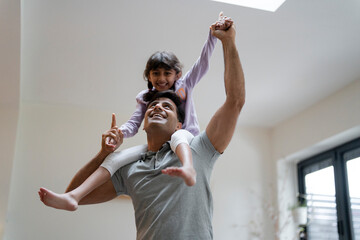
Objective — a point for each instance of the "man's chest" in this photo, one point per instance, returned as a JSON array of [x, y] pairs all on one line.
[[145, 178]]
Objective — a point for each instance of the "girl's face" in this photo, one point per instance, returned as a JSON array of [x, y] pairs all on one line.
[[163, 79]]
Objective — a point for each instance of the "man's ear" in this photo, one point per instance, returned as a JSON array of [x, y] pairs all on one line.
[[178, 126]]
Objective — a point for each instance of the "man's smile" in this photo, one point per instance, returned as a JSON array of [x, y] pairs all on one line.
[[156, 115]]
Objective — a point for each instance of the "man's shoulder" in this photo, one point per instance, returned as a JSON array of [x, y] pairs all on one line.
[[202, 141], [202, 136], [203, 152]]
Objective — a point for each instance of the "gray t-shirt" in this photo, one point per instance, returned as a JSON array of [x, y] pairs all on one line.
[[165, 207]]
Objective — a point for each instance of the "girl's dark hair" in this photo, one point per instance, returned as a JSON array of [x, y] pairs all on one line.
[[161, 59], [170, 94]]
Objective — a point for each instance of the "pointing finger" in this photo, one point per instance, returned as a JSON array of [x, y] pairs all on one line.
[[221, 15], [113, 122]]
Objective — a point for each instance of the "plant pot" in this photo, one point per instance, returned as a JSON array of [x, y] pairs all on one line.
[[300, 215]]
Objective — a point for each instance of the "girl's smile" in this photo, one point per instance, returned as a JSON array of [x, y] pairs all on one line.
[[163, 79]]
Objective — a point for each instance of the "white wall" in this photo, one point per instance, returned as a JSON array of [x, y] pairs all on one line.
[[55, 141], [9, 95], [241, 183], [332, 116], [329, 123]]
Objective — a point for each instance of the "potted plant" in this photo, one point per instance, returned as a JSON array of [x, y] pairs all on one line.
[[299, 211]]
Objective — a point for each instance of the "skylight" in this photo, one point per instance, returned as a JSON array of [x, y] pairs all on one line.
[[267, 5]]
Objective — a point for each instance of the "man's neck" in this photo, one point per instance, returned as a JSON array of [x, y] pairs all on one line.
[[156, 140]]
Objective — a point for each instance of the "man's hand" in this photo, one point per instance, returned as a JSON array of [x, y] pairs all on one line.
[[112, 138], [223, 35], [223, 23]]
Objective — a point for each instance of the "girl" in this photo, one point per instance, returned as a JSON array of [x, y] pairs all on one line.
[[163, 72]]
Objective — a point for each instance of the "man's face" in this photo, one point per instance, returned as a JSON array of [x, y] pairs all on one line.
[[162, 113]]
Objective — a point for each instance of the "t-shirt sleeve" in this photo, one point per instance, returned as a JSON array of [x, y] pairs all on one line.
[[118, 182], [203, 148]]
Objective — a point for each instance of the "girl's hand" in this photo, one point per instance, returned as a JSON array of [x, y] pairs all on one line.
[[112, 138], [224, 35], [223, 23]]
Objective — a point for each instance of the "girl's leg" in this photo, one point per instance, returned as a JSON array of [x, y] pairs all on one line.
[[180, 145], [69, 201], [116, 160]]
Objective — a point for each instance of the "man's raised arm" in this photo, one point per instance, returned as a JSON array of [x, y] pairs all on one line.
[[222, 125], [111, 140]]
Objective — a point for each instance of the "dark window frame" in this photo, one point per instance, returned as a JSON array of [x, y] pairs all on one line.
[[343, 205]]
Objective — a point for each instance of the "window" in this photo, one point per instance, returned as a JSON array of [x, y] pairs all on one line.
[[329, 182], [267, 5]]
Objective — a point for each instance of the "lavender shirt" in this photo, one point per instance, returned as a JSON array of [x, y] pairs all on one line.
[[183, 88]]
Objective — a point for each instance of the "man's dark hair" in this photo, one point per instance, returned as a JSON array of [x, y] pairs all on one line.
[[153, 95]]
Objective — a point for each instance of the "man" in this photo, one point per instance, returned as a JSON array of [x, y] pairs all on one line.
[[165, 208]]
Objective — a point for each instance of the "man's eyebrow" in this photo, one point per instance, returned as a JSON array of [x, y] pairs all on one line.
[[167, 101], [152, 103]]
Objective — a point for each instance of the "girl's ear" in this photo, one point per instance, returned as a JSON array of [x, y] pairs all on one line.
[[178, 75]]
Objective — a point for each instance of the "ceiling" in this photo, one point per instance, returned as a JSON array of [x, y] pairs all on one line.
[[92, 53]]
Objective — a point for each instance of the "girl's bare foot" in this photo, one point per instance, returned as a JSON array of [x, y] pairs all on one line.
[[59, 201], [188, 174]]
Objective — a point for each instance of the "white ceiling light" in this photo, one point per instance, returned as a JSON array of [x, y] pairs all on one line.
[[267, 5]]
